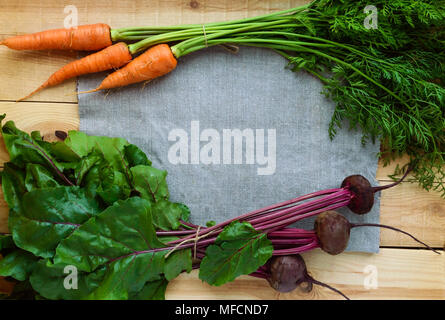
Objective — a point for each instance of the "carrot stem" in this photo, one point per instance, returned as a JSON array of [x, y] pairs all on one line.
[[119, 34]]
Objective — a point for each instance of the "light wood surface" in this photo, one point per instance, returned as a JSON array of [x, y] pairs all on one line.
[[400, 274], [403, 272]]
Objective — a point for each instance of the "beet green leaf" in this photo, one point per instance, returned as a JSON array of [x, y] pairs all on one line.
[[48, 216], [135, 156], [17, 264], [13, 186], [53, 281], [24, 149], [123, 240], [150, 183], [167, 215], [152, 290], [238, 250], [112, 149], [38, 177]]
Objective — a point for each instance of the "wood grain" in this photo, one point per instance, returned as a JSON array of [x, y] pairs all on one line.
[[385, 169], [31, 16], [401, 274], [414, 210], [23, 71]]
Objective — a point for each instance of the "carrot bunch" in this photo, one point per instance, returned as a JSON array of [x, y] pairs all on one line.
[[157, 60], [153, 63]]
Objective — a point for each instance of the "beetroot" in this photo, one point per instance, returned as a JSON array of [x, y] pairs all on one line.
[[363, 198], [288, 272], [333, 230], [363, 192]]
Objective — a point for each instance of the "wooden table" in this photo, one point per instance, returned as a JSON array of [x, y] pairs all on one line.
[[403, 271]]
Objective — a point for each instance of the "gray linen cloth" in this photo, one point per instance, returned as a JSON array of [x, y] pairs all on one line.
[[236, 132]]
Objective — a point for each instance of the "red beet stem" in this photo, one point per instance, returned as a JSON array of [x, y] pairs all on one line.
[[251, 214], [310, 204], [301, 209], [290, 241], [293, 233], [285, 222], [299, 249], [175, 233]]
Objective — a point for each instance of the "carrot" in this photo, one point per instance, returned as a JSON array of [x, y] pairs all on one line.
[[83, 38], [112, 57], [153, 63]]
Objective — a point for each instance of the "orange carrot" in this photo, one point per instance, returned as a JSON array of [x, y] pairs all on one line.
[[83, 38], [153, 63], [112, 57]]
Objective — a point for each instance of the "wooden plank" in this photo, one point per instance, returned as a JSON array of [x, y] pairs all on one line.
[[400, 274], [24, 71], [30, 16], [414, 210]]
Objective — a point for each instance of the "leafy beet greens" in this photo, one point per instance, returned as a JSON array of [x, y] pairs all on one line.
[[96, 204]]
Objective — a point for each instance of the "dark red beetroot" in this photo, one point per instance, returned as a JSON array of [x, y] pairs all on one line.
[[363, 192], [288, 272], [363, 198], [333, 232]]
